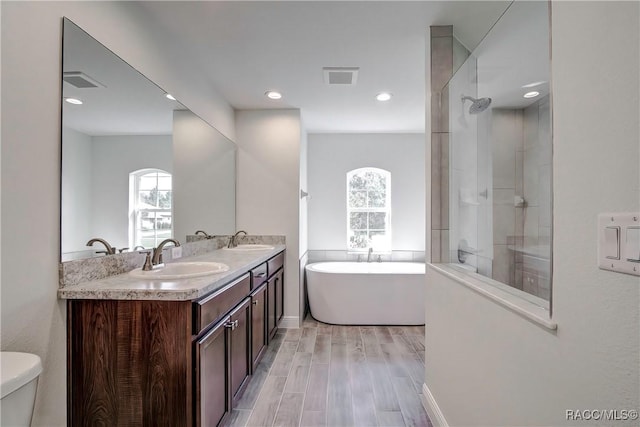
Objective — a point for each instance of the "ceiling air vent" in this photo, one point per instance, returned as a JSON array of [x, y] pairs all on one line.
[[340, 75], [80, 80]]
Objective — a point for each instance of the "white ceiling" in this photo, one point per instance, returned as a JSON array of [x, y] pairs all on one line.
[[127, 104], [248, 48]]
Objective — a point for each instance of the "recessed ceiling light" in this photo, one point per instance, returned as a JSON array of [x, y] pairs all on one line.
[[169, 96], [272, 94], [383, 96], [531, 94], [74, 101]]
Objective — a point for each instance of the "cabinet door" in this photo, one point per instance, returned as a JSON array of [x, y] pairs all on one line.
[[279, 279], [211, 391], [271, 308], [240, 347], [258, 324]]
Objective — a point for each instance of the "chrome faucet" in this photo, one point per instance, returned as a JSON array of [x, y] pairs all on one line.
[[233, 240], [204, 233], [110, 250], [157, 252], [369, 254], [139, 247]]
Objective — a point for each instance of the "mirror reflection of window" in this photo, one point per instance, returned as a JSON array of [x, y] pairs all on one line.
[[150, 211], [127, 124], [369, 209]]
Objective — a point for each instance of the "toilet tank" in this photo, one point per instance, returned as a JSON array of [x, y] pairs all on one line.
[[19, 373]]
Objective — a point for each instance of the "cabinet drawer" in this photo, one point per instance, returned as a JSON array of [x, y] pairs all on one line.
[[216, 305], [275, 263], [258, 275]]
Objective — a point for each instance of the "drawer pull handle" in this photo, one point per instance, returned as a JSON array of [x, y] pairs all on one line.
[[260, 275], [232, 324]]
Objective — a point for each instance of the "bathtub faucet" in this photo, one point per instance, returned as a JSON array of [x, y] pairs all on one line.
[[369, 254]]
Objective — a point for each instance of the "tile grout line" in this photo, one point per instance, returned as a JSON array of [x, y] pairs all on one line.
[[353, 407], [275, 415], [262, 387], [304, 398]]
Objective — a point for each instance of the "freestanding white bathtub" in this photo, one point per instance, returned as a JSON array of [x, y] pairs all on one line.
[[367, 293]]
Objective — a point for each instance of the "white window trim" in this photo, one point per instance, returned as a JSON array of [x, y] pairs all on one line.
[[387, 209], [134, 183]]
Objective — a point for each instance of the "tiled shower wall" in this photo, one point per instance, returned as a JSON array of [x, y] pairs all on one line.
[[536, 173], [507, 145], [521, 155], [447, 54], [521, 158], [441, 72]]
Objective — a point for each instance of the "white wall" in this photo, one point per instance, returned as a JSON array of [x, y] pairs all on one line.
[[486, 365], [304, 220], [304, 185], [33, 319], [204, 178], [268, 185], [76, 188], [331, 156], [114, 158]]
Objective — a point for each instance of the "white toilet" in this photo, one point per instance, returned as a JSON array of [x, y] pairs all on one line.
[[19, 372]]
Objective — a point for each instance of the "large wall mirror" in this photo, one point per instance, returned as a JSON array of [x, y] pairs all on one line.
[[500, 192], [137, 166]]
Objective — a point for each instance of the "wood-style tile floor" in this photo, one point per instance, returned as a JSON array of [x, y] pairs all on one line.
[[324, 375]]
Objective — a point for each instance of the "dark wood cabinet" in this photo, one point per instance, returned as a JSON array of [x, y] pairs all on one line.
[[279, 279], [271, 309], [275, 268], [239, 346], [275, 297], [212, 401], [222, 365], [129, 363], [169, 363], [258, 324]]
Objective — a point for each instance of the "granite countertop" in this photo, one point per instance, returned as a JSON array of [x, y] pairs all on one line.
[[126, 287]]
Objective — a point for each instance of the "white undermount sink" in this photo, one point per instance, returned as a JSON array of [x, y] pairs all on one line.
[[180, 270], [254, 247]]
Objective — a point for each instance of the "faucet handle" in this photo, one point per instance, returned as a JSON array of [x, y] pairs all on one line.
[[148, 265]]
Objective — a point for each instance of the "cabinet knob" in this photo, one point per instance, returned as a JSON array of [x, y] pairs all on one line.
[[230, 325], [255, 302]]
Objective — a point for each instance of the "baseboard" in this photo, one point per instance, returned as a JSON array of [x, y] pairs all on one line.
[[432, 408], [289, 322]]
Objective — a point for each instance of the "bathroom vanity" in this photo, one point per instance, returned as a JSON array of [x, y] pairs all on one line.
[[170, 353]]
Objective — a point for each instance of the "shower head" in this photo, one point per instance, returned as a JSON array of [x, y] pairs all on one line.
[[478, 105]]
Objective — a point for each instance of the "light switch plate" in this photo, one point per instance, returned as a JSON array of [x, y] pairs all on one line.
[[617, 255]]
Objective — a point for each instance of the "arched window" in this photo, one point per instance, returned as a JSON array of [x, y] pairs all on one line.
[[150, 217], [369, 209]]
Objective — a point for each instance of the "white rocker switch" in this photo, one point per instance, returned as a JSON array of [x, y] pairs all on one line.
[[619, 242], [612, 242], [632, 244]]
